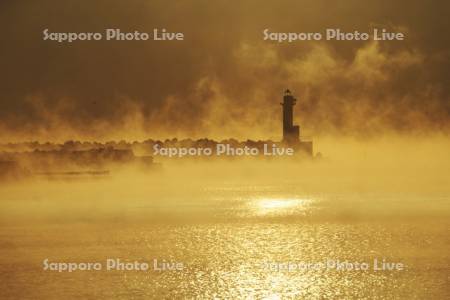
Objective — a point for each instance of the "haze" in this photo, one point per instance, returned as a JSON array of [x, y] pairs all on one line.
[[223, 80]]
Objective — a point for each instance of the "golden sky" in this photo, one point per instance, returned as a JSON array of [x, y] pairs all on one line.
[[223, 80]]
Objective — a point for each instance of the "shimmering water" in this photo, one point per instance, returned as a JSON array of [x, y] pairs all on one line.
[[225, 230]]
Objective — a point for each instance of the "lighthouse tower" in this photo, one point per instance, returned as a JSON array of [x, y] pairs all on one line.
[[291, 132]]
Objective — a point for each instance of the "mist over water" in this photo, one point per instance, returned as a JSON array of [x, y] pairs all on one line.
[[386, 199], [223, 79]]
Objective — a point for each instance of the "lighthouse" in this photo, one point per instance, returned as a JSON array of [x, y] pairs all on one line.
[[291, 132]]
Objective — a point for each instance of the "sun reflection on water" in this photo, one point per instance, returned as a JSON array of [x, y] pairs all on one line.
[[272, 297], [264, 206]]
